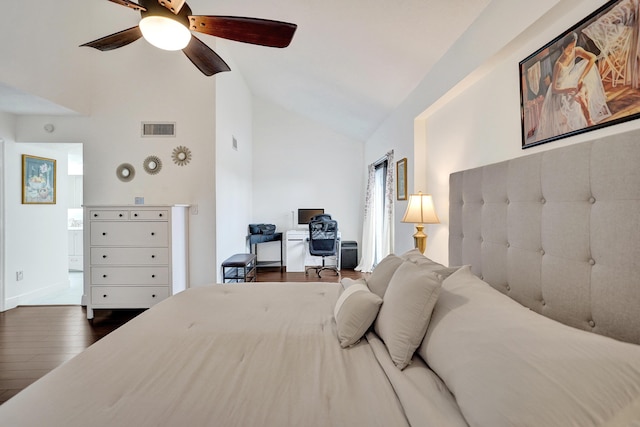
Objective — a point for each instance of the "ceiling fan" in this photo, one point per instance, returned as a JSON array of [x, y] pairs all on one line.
[[167, 24]]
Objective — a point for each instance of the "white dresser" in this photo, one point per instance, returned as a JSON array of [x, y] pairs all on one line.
[[136, 255]]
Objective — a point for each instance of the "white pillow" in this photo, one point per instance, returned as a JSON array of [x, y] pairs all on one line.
[[507, 365], [355, 311], [404, 316]]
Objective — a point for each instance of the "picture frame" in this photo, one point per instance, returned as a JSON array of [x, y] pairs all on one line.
[[584, 79], [38, 180], [401, 179]]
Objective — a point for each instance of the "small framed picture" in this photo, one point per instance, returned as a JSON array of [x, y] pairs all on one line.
[[401, 179], [38, 180]]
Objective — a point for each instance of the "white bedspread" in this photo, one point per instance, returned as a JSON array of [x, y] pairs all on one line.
[[224, 355]]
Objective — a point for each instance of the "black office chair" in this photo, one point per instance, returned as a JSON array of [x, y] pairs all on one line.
[[323, 242]]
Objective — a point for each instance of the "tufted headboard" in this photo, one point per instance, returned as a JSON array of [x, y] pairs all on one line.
[[557, 231]]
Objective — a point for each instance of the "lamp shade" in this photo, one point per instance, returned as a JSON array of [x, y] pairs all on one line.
[[420, 210], [165, 33]]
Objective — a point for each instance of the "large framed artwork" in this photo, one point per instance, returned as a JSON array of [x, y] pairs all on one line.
[[38, 180], [586, 78]]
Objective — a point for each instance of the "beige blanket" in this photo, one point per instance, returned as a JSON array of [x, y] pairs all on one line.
[[224, 355]]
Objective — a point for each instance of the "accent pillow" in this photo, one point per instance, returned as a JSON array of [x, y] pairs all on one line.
[[404, 316], [415, 255], [347, 281], [379, 279], [355, 311], [508, 365]]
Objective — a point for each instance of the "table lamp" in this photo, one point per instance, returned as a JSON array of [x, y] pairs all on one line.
[[420, 211]]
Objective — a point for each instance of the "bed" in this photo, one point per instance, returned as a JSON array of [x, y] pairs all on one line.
[[537, 323]]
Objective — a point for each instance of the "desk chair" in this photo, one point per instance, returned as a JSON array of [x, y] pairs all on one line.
[[323, 242]]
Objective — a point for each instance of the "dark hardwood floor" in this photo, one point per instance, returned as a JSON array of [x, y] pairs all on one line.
[[36, 339]]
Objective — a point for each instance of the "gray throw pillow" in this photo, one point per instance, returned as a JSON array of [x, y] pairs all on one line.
[[379, 279], [404, 316]]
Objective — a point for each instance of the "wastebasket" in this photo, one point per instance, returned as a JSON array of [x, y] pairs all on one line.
[[349, 254]]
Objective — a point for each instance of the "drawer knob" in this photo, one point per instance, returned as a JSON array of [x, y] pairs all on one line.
[[153, 276], [153, 256], [121, 215], [153, 234], [104, 234], [95, 215], [160, 215], [153, 296], [104, 256], [135, 214], [104, 296], [104, 275]]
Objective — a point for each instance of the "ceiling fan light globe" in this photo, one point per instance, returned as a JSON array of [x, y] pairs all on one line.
[[165, 33]]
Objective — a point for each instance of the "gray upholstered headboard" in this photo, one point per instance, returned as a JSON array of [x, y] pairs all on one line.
[[558, 231]]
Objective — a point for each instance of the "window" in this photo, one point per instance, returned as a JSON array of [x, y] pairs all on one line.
[[379, 206]]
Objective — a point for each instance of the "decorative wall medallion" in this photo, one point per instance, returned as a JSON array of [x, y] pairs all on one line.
[[152, 165], [181, 155], [125, 172]]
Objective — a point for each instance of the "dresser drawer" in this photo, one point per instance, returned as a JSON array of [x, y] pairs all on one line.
[[130, 275], [159, 215], [129, 256], [129, 233], [108, 215], [130, 296]]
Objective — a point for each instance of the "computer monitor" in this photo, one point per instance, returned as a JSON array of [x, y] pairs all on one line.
[[305, 215]]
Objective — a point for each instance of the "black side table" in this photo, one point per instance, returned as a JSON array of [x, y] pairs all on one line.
[[255, 239]]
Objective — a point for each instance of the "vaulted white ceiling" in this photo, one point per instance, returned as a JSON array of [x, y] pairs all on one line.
[[349, 65]]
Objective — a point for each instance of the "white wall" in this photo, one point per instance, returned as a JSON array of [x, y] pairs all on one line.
[[36, 234], [234, 168], [301, 164]]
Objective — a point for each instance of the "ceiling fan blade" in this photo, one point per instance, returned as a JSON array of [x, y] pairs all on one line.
[[130, 4], [204, 57], [173, 5], [116, 40], [262, 32]]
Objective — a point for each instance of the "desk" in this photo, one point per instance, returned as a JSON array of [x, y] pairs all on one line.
[[298, 256]]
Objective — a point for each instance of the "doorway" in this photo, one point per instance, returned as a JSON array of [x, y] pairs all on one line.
[[72, 180]]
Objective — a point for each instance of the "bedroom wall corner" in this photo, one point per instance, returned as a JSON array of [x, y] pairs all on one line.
[[234, 162], [59, 72], [299, 163], [484, 39]]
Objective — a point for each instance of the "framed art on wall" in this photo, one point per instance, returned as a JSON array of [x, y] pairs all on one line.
[[401, 179], [38, 180], [585, 79]]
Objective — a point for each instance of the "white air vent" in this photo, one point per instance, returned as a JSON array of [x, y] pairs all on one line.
[[158, 129]]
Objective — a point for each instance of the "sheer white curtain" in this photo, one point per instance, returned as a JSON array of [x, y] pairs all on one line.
[[378, 228]]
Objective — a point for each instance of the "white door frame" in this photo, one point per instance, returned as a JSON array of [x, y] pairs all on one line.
[[3, 249]]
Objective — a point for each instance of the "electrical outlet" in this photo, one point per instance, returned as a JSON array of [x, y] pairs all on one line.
[[194, 209], [19, 275]]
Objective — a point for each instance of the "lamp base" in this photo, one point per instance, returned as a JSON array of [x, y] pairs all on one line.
[[420, 239]]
